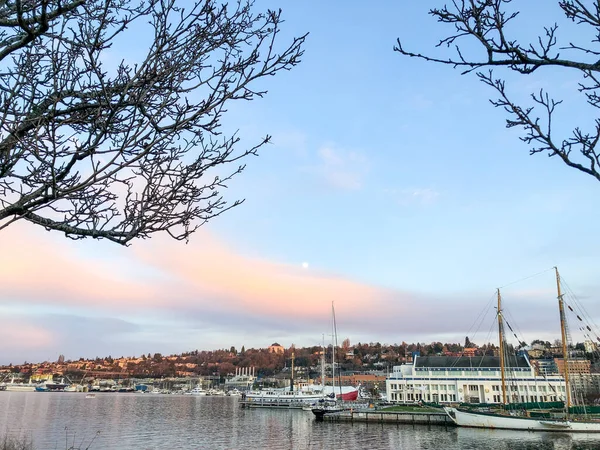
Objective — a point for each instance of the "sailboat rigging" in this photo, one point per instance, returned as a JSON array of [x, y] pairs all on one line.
[[503, 420], [330, 405]]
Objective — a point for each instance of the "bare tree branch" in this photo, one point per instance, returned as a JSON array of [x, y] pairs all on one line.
[[123, 150], [484, 22]]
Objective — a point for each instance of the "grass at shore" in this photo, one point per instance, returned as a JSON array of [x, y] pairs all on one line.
[[23, 443], [10, 443]]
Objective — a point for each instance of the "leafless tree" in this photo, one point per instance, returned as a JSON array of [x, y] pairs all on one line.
[[94, 144], [486, 25]]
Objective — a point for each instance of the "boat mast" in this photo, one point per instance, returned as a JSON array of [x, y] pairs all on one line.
[[323, 367], [333, 351], [563, 333], [292, 379], [335, 345], [501, 342]]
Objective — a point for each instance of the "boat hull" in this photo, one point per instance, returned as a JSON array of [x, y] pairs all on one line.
[[464, 418], [348, 396], [19, 388], [345, 393]]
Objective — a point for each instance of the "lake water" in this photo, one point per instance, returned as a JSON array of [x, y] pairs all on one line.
[[153, 421]]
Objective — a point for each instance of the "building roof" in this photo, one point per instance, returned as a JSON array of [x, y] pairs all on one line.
[[466, 361]]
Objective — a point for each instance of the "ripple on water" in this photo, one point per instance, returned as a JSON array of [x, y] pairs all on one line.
[[152, 422]]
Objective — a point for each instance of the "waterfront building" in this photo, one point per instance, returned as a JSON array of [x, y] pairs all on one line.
[[243, 380], [461, 379], [545, 366], [576, 366]]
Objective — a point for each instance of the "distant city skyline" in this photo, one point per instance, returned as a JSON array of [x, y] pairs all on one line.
[[392, 187]]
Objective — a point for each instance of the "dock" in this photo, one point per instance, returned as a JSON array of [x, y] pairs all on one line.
[[261, 403], [403, 417]]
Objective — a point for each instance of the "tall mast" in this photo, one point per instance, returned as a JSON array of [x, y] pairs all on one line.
[[335, 345], [563, 333], [333, 350], [501, 342], [323, 367], [292, 380]]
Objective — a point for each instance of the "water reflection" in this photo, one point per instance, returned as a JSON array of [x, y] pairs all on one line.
[[136, 421], [526, 440]]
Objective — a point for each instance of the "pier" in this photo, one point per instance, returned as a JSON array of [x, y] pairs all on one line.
[[403, 417], [265, 403]]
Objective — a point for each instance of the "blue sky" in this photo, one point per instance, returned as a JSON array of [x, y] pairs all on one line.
[[391, 186]]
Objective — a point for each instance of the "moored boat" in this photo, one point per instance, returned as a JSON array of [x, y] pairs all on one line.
[[333, 399], [478, 419], [281, 397], [344, 393], [234, 392], [562, 421], [197, 391], [141, 388], [14, 386], [51, 386]]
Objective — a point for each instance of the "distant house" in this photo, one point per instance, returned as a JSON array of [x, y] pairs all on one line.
[[276, 348], [469, 351]]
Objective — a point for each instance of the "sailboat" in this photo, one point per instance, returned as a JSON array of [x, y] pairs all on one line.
[[564, 422], [310, 406], [332, 400]]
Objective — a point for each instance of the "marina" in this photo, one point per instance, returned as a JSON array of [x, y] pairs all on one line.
[[132, 421]]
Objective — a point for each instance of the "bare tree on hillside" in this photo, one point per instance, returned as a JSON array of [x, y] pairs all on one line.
[[97, 143], [486, 25]]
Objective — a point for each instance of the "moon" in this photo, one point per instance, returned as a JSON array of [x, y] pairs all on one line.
[[305, 265]]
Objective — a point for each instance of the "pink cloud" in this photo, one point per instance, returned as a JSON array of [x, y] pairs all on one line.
[[44, 268], [47, 268], [210, 269], [25, 336]]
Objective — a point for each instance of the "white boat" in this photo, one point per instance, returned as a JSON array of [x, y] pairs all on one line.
[[19, 387], [215, 392], [51, 386], [234, 392], [197, 391], [467, 418], [292, 397], [283, 397], [562, 422]]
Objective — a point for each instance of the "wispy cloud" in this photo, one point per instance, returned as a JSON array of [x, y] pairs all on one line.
[[414, 196], [292, 140], [342, 169], [420, 102]]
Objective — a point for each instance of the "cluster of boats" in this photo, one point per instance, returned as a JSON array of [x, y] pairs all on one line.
[[320, 400], [102, 387], [44, 386], [198, 390]]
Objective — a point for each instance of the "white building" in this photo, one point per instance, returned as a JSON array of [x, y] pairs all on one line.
[[590, 346], [243, 380], [477, 379]]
